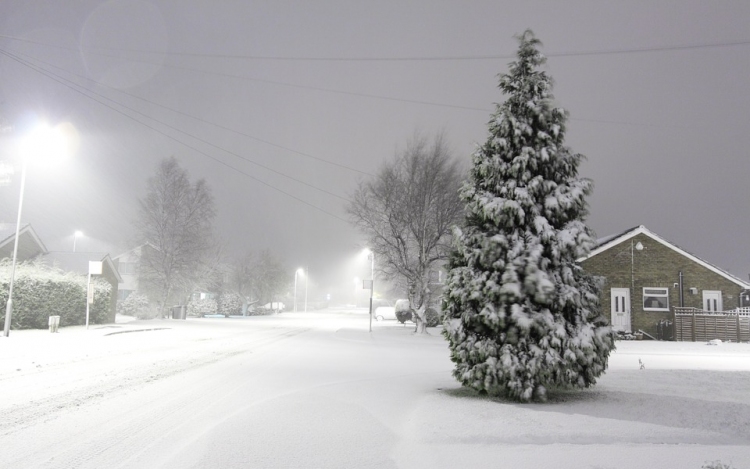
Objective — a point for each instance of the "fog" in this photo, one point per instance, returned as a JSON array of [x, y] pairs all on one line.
[[283, 106]]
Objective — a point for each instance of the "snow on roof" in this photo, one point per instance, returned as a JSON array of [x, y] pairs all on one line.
[[609, 241]]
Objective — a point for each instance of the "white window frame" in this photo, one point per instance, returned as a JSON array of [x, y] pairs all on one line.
[[658, 295]]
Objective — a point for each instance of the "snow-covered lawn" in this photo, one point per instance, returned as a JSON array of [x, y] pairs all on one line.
[[314, 390]]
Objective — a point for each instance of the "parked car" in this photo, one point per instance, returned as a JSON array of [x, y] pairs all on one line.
[[383, 309]]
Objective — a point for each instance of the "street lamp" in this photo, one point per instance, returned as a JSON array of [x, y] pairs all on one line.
[[371, 255], [43, 141], [296, 272], [76, 235]]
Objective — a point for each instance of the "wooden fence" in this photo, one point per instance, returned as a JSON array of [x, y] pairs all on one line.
[[696, 325]]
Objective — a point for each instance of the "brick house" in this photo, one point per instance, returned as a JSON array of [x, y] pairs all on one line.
[[645, 276]]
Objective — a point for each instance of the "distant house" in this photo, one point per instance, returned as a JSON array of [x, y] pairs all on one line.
[[127, 265], [29, 244], [644, 277], [78, 262]]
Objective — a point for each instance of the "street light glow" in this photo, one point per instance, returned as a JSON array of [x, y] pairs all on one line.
[[42, 143]]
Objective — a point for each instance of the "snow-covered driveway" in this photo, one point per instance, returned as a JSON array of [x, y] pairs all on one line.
[[316, 390]]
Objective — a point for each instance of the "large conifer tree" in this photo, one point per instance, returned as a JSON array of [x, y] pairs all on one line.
[[521, 315]]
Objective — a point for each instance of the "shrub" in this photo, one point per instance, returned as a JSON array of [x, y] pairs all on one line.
[[431, 317], [40, 291], [136, 305], [229, 304], [201, 307], [403, 311]]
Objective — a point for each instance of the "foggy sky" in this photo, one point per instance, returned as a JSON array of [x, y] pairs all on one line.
[[245, 95]]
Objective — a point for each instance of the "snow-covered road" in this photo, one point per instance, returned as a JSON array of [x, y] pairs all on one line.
[[317, 390]]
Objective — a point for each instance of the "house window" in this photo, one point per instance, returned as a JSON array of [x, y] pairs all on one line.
[[656, 299], [122, 295], [127, 268]]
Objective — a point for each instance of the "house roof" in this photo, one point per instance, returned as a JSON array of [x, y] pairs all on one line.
[[79, 262], [607, 242], [29, 244], [147, 243]]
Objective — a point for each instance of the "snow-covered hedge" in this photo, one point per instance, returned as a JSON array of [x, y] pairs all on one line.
[[201, 307], [40, 291]]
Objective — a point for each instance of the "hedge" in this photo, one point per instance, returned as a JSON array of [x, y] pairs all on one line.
[[40, 291]]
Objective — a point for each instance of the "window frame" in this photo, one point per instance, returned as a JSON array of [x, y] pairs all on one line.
[[652, 295]]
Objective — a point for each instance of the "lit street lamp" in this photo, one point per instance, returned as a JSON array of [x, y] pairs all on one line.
[[76, 235], [43, 141]]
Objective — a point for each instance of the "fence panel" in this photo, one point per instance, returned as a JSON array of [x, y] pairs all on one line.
[[693, 324]]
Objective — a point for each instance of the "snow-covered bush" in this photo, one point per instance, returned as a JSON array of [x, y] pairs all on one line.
[[136, 305], [520, 313], [403, 311], [201, 307], [40, 291], [431, 317], [229, 304]]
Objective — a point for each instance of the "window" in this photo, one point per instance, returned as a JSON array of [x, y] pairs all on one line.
[[127, 268], [656, 299], [122, 295]]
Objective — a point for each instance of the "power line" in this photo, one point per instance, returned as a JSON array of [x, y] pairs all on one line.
[[62, 80], [202, 120], [212, 144], [412, 58]]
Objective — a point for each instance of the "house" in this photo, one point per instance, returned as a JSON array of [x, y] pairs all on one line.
[[127, 265], [29, 244], [644, 277], [78, 262]]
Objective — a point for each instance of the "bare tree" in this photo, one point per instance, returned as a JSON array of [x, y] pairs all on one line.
[[259, 276], [407, 213], [176, 218]]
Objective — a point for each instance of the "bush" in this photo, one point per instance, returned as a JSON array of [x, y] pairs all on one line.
[[403, 311], [136, 305], [201, 307], [404, 315], [230, 304], [40, 291], [431, 317]]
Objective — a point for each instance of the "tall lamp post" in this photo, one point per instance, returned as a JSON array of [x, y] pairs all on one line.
[[371, 255], [42, 141], [296, 272], [76, 235]]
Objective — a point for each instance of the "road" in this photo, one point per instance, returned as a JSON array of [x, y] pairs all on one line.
[[317, 390], [281, 391]]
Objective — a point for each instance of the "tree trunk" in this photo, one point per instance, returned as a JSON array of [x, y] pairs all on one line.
[[421, 326]]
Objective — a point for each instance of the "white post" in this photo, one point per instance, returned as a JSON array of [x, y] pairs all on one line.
[[307, 280], [295, 289], [372, 284], [9, 305], [88, 296]]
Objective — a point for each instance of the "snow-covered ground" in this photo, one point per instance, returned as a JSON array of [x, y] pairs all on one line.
[[317, 390]]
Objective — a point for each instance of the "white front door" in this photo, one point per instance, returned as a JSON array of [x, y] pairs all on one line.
[[712, 301], [620, 309]]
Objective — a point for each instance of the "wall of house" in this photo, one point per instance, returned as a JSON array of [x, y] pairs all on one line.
[[656, 266]]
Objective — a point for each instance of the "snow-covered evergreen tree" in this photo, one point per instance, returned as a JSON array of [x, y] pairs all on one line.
[[521, 316]]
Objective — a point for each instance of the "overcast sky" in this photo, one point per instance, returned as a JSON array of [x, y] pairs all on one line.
[[282, 106]]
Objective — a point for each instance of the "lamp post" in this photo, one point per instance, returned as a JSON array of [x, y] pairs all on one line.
[[371, 255], [296, 272], [75, 238], [43, 141], [9, 304]]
